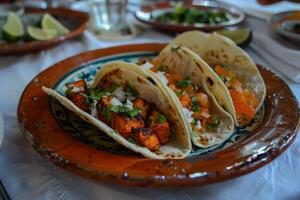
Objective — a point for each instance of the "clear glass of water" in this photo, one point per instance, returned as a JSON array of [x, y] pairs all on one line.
[[107, 15]]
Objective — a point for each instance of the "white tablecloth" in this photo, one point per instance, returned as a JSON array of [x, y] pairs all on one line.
[[27, 175]]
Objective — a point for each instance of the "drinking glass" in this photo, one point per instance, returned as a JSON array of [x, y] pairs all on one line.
[[107, 15]]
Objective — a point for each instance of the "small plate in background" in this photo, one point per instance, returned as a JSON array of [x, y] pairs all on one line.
[[75, 21], [277, 23], [146, 11]]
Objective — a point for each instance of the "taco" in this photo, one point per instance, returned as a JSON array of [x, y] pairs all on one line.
[[185, 76], [245, 87], [130, 109]]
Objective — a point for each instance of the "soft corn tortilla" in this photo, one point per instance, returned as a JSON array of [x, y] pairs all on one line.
[[186, 63], [217, 49], [122, 73]]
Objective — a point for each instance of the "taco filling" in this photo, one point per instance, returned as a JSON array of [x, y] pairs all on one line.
[[121, 108], [244, 100], [195, 102]]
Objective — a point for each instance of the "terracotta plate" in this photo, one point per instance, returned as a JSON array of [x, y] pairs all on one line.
[[77, 146], [75, 21], [146, 12]]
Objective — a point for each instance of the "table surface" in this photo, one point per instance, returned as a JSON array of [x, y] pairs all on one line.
[[27, 175]]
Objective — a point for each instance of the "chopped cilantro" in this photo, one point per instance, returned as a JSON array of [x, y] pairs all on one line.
[[178, 93], [195, 104], [212, 126], [215, 123], [194, 122], [68, 91], [160, 119], [112, 88], [96, 94], [106, 113], [163, 68], [160, 67], [125, 110], [134, 112], [132, 91], [184, 83]]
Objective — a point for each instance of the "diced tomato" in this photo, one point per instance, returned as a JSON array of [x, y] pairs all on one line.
[[230, 74], [173, 78], [241, 106], [236, 85], [185, 100], [220, 70], [80, 101], [154, 69], [189, 89], [203, 99], [78, 84]]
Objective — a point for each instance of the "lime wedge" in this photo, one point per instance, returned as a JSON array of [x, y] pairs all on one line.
[[50, 23], [241, 37], [40, 34], [13, 29]]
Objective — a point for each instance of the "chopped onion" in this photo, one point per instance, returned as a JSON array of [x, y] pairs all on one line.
[[115, 102], [188, 114], [198, 126], [162, 77], [120, 94], [129, 104], [147, 65]]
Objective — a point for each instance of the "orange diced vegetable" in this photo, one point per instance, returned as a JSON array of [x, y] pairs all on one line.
[[173, 78], [241, 106], [185, 100], [220, 70], [236, 85], [203, 99], [189, 89]]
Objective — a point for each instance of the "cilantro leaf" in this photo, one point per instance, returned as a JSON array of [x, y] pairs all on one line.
[[132, 91], [125, 110], [106, 113], [96, 94], [195, 104], [68, 91], [112, 88], [134, 112], [194, 122], [212, 126], [160, 119], [184, 83]]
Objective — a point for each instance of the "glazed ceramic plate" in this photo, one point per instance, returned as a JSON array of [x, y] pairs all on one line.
[[77, 146], [75, 21], [147, 12]]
